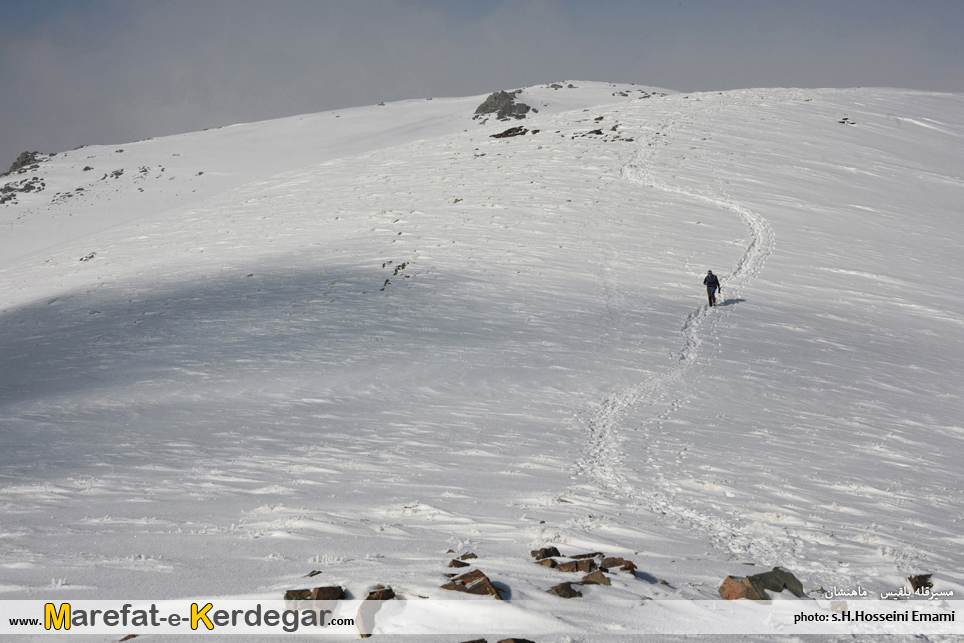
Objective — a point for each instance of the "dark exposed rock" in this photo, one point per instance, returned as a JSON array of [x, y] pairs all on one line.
[[10, 190], [512, 131], [380, 594], [457, 563], [623, 564], [474, 582], [589, 555], [613, 562], [564, 590], [329, 593], [365, 620], [920, 581], [585, 566], [470, 555], [503, 105], [595, 578], [25, 159], [545, 552], [515, 641], [776, 580], [755, 587], [547, 562]]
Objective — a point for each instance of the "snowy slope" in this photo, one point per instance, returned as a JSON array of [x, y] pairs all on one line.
[[430, 339], [96, 187]]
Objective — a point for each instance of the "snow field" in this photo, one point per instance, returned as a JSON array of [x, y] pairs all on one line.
[[229, 394]]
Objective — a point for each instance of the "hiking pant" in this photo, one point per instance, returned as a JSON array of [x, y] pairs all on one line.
[[711, 293]]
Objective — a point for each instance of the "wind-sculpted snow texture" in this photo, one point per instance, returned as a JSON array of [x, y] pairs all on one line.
[[438, 339]]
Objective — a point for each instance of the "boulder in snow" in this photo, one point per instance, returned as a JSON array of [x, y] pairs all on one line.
[[564, 590], [473, 582]]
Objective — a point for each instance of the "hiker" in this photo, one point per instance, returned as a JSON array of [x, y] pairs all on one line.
[[712, 285]]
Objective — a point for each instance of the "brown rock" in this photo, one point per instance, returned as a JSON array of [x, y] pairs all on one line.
[[595, 578], [920, 582], [592, 555], [564, 590], [469, 577], [330, 593], [585, 566], [473, 582], [545, 552], [734, 588], [365, 620], [381, 594], [298, 595], [484, 588], [612, 562], [457, 563], [547, 562], [468, 556]]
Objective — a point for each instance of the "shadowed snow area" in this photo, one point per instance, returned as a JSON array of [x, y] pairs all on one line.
[[356, 355]]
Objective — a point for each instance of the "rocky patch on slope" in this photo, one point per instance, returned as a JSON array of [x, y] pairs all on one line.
[[503, 105], [25, 162]]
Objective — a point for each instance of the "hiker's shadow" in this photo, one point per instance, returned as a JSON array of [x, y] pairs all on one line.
[[730, 302]]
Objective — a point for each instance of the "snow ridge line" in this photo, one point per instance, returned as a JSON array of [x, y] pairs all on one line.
[[602, 461]]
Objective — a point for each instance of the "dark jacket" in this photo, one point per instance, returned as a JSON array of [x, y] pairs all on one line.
[[711, 282]]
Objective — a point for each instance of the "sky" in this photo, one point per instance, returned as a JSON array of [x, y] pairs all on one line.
[[107, 71]]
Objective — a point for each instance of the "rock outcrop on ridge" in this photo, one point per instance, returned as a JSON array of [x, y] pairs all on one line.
[[503, 105]]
